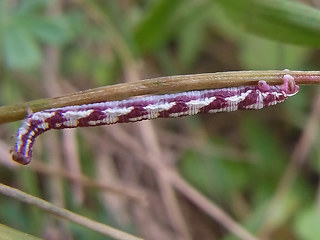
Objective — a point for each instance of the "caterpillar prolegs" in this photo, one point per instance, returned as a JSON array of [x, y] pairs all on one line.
[[149, 107]]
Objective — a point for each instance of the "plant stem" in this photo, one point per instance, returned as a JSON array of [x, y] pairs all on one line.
[[161, 85], [66, 214]]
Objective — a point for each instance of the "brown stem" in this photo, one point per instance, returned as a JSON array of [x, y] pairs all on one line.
[[63, 213], [161, 85]]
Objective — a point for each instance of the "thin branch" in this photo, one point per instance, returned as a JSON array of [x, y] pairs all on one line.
[[133, 194], [154, 154], [210, 208], [136, 195], [298, 158], [161, 85], [66, 214], [203, 203]]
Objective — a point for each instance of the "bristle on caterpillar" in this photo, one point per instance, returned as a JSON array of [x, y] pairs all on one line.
[[149, 107]]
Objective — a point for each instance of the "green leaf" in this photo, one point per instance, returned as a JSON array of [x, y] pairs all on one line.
[[192, 33], [12, 234], [6, 16], [307, 224], [271, 158], [218, 177], [27, 7], [51, 30], [20, 49], [157, 27], [275, 55], [281, 20], [266, 145], [194, 169]]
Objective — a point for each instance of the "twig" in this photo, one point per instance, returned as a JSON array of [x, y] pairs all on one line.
[[298, 158], [133, 194], [154, 154], [66, 214], [209, 207], [162, 85]]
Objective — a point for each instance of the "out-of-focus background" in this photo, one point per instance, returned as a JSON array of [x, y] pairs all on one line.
[[261, 167]]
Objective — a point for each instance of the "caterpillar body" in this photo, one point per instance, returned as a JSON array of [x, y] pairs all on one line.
[[149, 107]]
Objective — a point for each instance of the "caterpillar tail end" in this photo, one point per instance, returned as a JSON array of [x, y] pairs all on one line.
[[20, 158], [289, 85]]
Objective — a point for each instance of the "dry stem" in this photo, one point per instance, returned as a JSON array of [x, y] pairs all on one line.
[[66, 214], [161, 85]]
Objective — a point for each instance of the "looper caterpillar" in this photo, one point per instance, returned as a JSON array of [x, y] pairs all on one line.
[[149, 107]]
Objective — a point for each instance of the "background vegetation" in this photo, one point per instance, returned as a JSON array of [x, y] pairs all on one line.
[[262, 167]]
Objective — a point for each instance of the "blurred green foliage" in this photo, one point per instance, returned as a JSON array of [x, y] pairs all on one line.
[[286, 21], [24, 27], [12, 234], [307, 223], [176, 37]]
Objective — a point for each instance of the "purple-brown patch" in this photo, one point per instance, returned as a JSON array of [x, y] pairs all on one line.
[[149, 107]]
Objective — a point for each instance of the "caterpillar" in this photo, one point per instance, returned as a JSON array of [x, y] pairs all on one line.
[[149, 107]]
